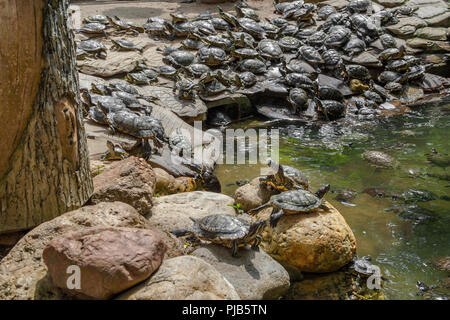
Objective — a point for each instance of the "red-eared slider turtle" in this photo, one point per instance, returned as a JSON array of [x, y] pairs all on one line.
[[180, 144], [332, 59], [244, 53], [137, 78], [286, 7], [99, 88], [228, 17], [126, 97], [299, 66], [211, 88], [330, 93], [356, 71], [242, 39], [185, 88], [360, 6], [227, 230], [181, 29], [304, 14], [392, 53], [289, 30], [398, 65], [310, 55], [388, 41], [166, 71], [364, 27], [114, 152], [289, 43], [151, 74], [179, 58], [278, 22], [178, 17], [218, 41], [252, 27], [325, 11], [97, 18], [354, 46], [245, 79], [109, 104], [393, 86], [196, 70], [300, 80], [333, 19], [211, 56], [93, 28], [363, 267], [389, 76], [204, 26], [271, 30], [269, 49], [124, 45], [124, 87], [122, 25], [330, 109], [81, 54], [93, 47], [220, 24], [337, 36], [373, 96], [246, 13], [293, 202], [156, 29], [192, 44], [253, 65], [97, 115], [316, 39], [417, 72], [298, 98], [285, 178]]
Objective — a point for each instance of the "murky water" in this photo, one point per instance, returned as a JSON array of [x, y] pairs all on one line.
[[403, 247]]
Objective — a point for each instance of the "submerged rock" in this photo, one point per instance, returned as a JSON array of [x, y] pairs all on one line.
[[254, 275], [183, 278], [110, 259], [379, 159]]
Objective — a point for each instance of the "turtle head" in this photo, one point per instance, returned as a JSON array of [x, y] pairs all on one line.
[[256, 228], [322, 191]]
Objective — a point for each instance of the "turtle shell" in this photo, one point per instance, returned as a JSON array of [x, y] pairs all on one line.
[[220, 227], [296, 201], [270, 49]]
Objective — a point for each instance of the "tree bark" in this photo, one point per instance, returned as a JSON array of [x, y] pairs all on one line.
[[44, 168]]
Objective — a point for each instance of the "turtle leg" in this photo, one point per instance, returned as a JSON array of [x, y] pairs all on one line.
[[234, 249], [275, 217], [181, 232], [254, 210], [256, 243]]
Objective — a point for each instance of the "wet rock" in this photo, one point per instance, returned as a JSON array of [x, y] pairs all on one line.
[[418, 195], [111, 260], [320, 241], [406, 27], [254, 275], [390, 3], [252, 195], [428, 45], [431, 33], [379, 159], [23, 274], [131, 181], [413, 212], [174, 211], [366, 59], [167, 184], [116, 63], [345, 195], [183, 278]]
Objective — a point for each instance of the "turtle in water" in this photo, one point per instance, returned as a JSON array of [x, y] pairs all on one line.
[[226, 230], [286, 178], [293, 202], [114, 152]]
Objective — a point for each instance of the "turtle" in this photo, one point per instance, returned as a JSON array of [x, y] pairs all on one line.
[[93, 28], [286, 7], [181, 29], [293, 202], [298, 98], [166, 71], [114, 152], [123, 86], [388, 41], [246, 12], [373, 96], [204, 27], [299, 66], [310, 55], [97, 115], [392, 53], [212, 87], [81, 54], [417, 72], [100, 88], [108, 104], [242, 39], [192, 42], [178, 17], [124, 45], [398, 65], [205, 15], [316, 39], [245, 79], [218, 118], [252, 27], [324, 11], [269, 49], [330, 93], [289, 30], [389, 76], [179, 58], [244, 53], [333, 20], [289, 44], [278, 22], [253, 65], [300, 80], [218, 41], [360, 6], [93, 47], [363, 267], [227, 230], [337, 36], [220, 24], [126, 97], [185, 88], [332, 59], [156, 29], [271, 30], [228, 17], [356, 71], [180, 144], [354, 46], [137, 78], [393, 86], [97, 18], [285, 178], [151, 74], [197, 69], [211, 56], [365, 28], [331, 109], [122, 25]]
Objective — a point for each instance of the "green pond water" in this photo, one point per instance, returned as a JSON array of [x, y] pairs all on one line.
[[403, 249]]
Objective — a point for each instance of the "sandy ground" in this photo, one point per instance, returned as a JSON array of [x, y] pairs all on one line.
[[140, 11]]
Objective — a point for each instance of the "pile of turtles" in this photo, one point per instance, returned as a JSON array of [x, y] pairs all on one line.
[[306, 63]]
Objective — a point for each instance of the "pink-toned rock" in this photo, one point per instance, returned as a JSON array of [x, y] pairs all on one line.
[[131, 181], [110, 259]]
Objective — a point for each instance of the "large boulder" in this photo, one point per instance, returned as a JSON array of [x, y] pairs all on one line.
[[110, 259], [131, 181], [252, 195], [23, 274], [183, 278], [174, 211], [254, 274], [319, 241]]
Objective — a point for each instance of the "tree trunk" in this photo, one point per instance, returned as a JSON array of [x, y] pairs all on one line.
[[44, 168]]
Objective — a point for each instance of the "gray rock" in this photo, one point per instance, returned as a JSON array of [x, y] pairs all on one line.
[[390, 3], [254, 275], [431, 33], [183, 278], [406, 26]]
